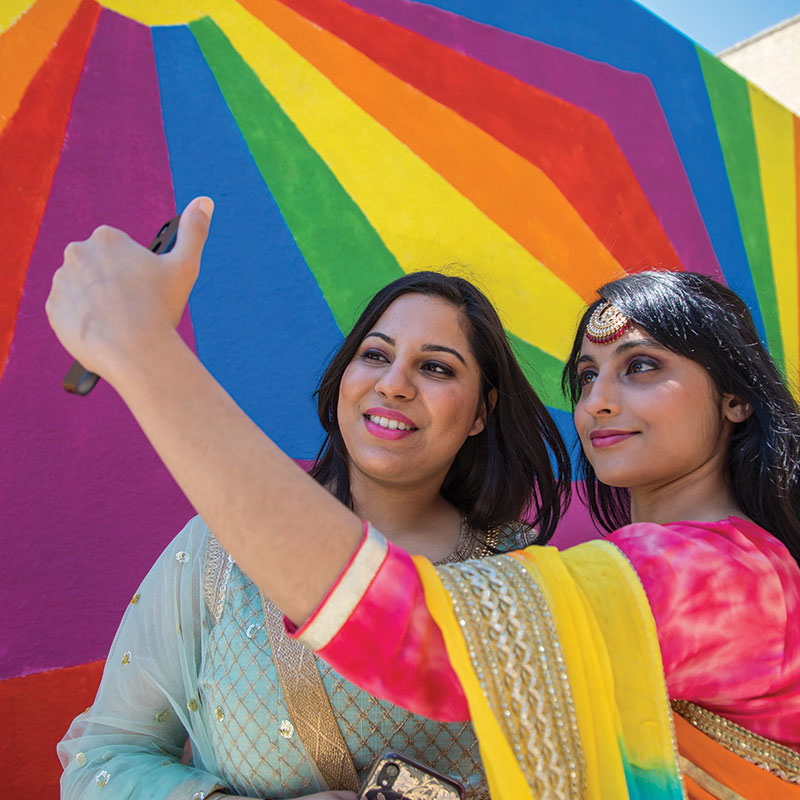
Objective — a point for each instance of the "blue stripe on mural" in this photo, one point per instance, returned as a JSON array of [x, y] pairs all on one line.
[[261, 323], [625, 35]]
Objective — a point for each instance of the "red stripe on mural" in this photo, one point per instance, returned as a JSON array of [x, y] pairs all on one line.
[[41, 707], [30, 147], [573, 147]]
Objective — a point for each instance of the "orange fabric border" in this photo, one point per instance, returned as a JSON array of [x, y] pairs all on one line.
[[744, 778]]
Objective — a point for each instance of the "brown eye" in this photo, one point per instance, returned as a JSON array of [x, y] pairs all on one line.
[[640, 365], [586, 377], [372, 355], [436, 368]]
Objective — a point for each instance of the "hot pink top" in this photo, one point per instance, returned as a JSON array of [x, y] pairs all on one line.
[[725, 596]]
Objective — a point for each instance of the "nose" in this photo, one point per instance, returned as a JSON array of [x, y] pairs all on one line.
[[599, 398], [396, 381]]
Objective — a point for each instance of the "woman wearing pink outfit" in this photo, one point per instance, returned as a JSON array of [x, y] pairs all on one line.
[[688, 434]]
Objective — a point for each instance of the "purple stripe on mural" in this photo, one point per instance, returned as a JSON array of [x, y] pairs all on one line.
[[625, 100], [86, 504]]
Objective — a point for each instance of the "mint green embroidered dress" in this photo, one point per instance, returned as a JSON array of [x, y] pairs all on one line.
[[190, 699]]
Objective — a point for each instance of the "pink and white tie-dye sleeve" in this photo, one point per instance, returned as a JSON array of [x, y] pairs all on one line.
[[375, 629]]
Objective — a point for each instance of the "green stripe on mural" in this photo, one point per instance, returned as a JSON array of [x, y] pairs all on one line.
[[542, 370], [348, 259], [730, 104], [343, 251]]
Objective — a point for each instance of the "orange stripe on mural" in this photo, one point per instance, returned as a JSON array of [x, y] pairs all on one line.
[[514, 193], [25, 45], [41, 707], [30, 148], [573, 147]]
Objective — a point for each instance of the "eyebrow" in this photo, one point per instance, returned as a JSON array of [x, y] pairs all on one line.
[[427, 348], [631, 345]]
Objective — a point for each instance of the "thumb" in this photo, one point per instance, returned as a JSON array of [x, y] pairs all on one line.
[[193, 230]]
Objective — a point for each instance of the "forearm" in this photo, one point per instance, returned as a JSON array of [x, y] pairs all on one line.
[[260, 505]]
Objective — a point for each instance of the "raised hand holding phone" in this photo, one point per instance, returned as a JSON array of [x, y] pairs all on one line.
[[78, 379], [113, 298]]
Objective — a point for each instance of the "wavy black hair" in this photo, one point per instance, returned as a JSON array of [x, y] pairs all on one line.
[[518, 466], [700, 319]]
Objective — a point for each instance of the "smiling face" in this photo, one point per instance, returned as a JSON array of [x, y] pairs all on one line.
[[648, 417], [411, 395]]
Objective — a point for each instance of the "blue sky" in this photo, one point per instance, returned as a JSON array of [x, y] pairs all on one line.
[[718, 24]]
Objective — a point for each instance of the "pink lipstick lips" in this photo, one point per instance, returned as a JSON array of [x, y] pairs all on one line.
[[388, 424], [607, 438]]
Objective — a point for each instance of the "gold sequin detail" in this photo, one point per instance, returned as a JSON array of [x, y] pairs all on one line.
[[126, 659], [102, 778], [219, 713], [192, 705], [771, 756], [135, 599], [162, 716], [80, 759], [513, 645]]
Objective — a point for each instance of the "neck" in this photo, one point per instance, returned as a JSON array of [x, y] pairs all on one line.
[[703, 495], [415, 517]]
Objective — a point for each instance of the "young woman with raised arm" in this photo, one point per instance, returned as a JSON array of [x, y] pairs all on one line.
[[564, 662], [434, 433]]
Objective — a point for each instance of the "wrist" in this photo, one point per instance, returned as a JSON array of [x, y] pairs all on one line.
[[144, 359]]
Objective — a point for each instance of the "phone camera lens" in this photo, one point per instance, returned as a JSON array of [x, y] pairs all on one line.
[[388, 774]]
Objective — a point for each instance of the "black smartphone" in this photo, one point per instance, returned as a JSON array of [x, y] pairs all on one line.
[[79, 380], [394, 776]]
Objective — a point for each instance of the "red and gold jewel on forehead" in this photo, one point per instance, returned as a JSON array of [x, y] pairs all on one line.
[[606, 324]]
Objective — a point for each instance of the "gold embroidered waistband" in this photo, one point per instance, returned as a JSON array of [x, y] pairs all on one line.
[[781, 761]]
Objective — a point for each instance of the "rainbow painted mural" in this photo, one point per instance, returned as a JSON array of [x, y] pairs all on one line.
[[543, 147]]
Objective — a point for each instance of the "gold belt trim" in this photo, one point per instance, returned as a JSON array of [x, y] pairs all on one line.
[[309, 705], [778, 759]]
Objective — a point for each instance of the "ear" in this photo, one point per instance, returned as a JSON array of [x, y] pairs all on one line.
[[734, 408], [483, 412]]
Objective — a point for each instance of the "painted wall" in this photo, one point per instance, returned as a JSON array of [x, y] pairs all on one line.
[[547, 147]]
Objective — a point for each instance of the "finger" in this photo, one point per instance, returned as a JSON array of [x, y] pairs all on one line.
[[193, 230]]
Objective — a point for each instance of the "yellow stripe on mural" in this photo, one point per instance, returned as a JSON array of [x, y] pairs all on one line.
[[11, 11], [419, 216], [169, 12], [774, 131]]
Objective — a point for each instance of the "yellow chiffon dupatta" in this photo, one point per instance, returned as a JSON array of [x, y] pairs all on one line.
[[558, 657]]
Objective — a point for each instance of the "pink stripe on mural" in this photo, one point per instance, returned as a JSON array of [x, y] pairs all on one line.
[[86, 504], [625, 100]]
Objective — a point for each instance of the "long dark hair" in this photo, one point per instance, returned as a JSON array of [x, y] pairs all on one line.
[[517, 466], [700, 319]]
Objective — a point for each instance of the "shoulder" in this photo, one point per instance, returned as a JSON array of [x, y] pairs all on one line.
[[730, 544], [730, 570]]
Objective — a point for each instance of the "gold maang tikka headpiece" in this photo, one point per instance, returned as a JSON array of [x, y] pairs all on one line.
[[606, 324]]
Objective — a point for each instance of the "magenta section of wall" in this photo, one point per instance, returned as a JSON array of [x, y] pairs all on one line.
[[61, 452]]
